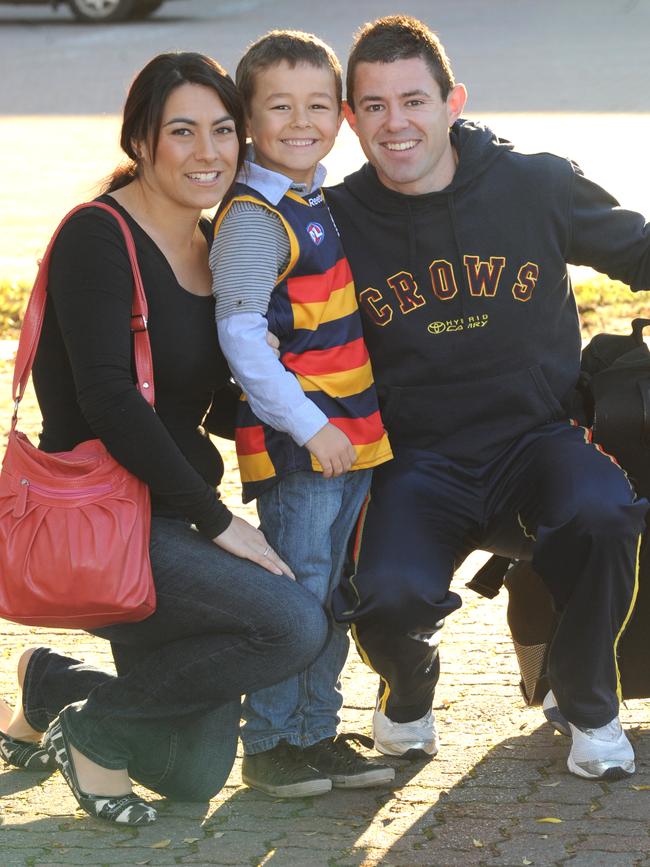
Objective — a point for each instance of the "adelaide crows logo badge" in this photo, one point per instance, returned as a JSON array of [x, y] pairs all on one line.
[[316, 232]]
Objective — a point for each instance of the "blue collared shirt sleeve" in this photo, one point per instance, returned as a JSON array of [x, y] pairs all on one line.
[[274, 394]]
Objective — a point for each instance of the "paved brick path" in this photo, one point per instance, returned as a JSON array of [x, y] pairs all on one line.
[[482, 801]]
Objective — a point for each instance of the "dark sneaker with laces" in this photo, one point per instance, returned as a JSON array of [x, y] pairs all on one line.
[[284, 772], [345, 767]]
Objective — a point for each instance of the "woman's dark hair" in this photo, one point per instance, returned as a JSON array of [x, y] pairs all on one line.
[[145, 103]]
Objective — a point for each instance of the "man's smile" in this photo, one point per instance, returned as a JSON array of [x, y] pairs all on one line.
[[400, 145]]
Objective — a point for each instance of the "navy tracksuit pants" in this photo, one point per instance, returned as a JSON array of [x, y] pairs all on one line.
[[553, 497]]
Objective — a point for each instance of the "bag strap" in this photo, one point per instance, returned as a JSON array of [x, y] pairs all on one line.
[[33, 320], [490, 577], [637, 329], [644, 388]]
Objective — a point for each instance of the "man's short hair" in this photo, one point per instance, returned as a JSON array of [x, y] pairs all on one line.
[[399, 37], [295, 47]]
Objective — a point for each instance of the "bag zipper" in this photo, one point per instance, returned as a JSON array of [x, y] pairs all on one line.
[[21, 497]]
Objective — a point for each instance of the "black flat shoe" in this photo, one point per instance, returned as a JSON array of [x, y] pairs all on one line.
[[124, 809], [27, 755]]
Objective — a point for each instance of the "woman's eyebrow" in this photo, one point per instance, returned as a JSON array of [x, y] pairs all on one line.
[[190, 122]]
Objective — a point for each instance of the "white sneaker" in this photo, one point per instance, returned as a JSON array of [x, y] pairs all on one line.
[[409, 740], [604, 753], [554, 715]]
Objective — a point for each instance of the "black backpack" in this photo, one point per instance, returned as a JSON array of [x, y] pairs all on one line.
[[615, 388], [613, 398]]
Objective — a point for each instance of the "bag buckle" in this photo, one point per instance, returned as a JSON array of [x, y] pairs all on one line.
[[138, 323]]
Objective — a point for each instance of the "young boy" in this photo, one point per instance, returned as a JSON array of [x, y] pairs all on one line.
[[309, 430]]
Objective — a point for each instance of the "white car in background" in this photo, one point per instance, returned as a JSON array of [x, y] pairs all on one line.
[[98, 11]]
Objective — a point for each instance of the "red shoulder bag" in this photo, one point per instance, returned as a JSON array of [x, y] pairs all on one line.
[[74, 526]]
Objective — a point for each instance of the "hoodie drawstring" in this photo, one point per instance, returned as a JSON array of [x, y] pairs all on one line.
[[454, 228]]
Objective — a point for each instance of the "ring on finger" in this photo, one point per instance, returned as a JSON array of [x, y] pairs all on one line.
[[265, 552]]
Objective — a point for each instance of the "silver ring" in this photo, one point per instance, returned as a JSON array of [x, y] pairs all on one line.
[[266, 551]]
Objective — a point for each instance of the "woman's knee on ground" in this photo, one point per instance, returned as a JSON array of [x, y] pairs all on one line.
[[191, 761], [193, 789]]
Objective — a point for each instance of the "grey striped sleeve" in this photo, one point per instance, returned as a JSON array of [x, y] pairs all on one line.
[[249, 251]]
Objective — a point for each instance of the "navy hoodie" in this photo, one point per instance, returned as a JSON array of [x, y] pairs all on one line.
[[467, 305]]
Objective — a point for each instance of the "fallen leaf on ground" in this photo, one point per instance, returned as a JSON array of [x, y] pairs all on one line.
[[641, 788], [551, 820], [161, 844], [191, 839], [478, 843]]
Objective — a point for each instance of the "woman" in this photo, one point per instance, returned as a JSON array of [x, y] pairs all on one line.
[[228, 619]]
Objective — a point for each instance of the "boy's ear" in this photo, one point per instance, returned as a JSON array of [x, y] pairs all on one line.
[[349, 115]]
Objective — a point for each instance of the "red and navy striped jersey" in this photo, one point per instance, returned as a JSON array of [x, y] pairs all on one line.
[[313, 312]]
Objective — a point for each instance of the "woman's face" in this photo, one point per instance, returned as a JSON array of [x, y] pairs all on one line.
[[196, 157]]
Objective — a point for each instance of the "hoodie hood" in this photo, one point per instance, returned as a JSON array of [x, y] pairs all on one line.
[[477, 148]]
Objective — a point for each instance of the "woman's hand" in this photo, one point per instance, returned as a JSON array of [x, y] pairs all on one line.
[[244, 540]]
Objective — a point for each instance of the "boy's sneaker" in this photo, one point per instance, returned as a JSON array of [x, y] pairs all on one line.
[[345, 767], [409, 740], [554, 715], [284, 772], [601, 754]]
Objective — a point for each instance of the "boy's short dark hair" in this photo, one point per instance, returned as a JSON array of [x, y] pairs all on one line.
[[399, 37], [295, 47]]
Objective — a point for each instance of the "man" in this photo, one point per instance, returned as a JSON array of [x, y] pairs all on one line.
[[459, 245]]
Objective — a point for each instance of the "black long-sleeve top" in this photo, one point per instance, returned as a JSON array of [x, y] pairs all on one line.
[[84, 373]]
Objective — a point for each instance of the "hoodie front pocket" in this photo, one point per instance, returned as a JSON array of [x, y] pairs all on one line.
[[470, 420]]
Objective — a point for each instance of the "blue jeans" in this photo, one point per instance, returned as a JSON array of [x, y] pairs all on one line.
[[308, 520], [222, 627]]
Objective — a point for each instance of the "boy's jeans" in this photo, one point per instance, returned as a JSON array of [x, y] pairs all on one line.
[[308, 520]]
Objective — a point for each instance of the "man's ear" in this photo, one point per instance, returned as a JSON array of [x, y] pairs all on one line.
[[456, 99], [350, 115]]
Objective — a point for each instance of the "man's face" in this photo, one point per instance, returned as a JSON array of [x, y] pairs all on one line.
[[403, 124]]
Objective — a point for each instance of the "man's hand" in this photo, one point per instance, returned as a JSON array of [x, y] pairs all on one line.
[[244, 540], [333, 451]]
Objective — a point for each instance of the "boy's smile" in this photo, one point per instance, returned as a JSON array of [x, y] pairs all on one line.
[[294, 118]]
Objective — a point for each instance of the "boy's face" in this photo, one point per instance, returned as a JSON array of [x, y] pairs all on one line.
[[294, 118]]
